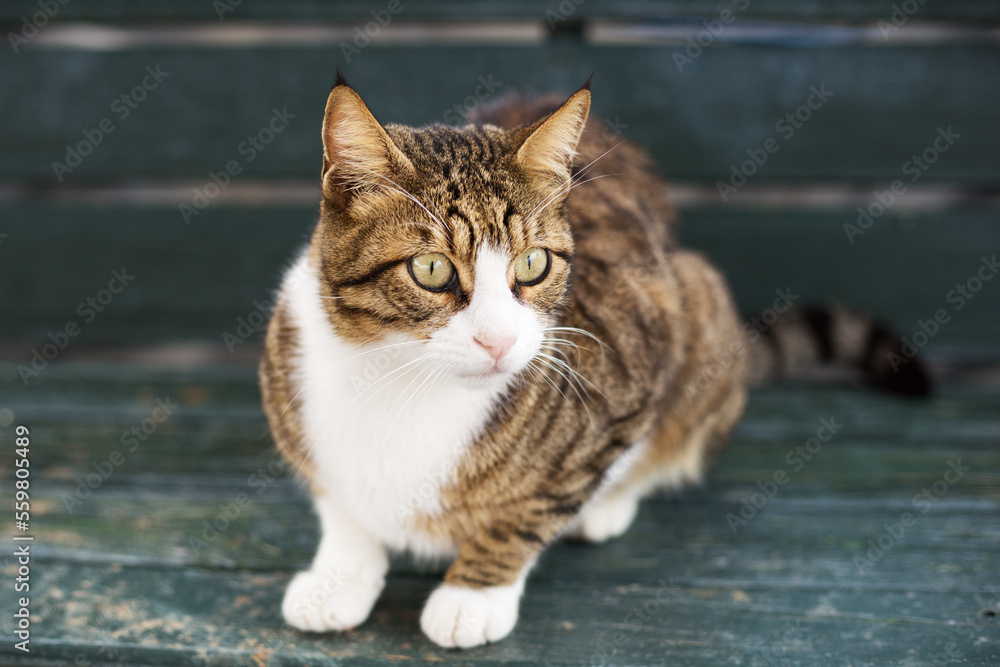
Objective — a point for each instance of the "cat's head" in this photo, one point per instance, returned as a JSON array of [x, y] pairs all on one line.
[[455, 237]]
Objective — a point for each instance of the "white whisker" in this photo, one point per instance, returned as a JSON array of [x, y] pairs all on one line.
[[401, 190], [563, 364], [544, 360], [381, 383], [570, 181]]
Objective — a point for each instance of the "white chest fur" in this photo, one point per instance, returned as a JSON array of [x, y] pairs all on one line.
[[384, 429]]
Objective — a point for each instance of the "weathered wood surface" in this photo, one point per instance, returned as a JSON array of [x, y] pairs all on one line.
[[883, 104], [118, 578], [125, 571]]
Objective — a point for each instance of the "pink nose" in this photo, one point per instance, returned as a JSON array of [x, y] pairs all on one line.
[[496, 344]]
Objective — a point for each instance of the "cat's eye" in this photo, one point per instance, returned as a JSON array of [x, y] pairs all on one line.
[[532, 266], [432, 271]]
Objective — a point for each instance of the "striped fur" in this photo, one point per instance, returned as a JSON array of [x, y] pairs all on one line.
[[809, 337], [640, 377]]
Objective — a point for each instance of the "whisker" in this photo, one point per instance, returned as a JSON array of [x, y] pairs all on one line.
[[555, 349], [541, 373], [584, 169], [555, 343], [572, 371], [548, 364], [381, 383], [582, 332], [343, 361], [401, 190], [579, 174], [569, 186]]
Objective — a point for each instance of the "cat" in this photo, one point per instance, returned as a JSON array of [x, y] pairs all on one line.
[[493, 340]]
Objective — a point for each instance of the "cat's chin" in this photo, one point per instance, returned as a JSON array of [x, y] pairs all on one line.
[[490, 379]]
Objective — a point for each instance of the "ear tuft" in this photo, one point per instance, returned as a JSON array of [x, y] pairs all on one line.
[[550, 149], [341, 81], [358, 155]]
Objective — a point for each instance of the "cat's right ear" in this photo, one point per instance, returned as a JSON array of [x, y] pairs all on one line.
[[358, 156]]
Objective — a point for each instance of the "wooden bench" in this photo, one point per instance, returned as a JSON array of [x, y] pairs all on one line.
[[165, 528]]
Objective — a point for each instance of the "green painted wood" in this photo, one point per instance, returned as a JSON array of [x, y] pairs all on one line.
[[116, 583], [887, 105], [207, 279], [138, 616], [90, 484], [116, 10]]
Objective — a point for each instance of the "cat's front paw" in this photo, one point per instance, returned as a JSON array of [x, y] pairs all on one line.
[[456, 616], [316, 602]]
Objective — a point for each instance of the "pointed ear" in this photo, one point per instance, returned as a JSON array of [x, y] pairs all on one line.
[[550, 149], [358, 155]]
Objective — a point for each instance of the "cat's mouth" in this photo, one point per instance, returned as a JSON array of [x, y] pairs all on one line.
[[489, 375]]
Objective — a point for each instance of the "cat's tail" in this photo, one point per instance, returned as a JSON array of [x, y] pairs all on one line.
[[796, 343]]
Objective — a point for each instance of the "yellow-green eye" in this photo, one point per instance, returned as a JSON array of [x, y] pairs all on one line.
[[432, 271], [532, 266]]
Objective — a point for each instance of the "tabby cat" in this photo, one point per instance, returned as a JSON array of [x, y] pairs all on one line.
[[493, 340]]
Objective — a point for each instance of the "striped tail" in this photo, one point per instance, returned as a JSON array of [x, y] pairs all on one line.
[[804, 339]]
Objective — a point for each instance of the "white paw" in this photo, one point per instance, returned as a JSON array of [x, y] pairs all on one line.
[[456, 616], [605, 518], [319, 602]]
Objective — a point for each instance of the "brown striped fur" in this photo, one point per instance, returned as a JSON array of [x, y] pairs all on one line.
[[663, 316]]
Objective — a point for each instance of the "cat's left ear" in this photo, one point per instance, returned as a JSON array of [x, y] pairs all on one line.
[[550, 149], [358, 156]]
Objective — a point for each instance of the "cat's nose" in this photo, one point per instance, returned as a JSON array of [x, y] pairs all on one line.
[[496, 344]]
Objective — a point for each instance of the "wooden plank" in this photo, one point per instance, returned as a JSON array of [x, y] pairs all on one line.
[[232, 257], [138, 616], [426, 10], [888, 104], [86, 493], [116, 581]]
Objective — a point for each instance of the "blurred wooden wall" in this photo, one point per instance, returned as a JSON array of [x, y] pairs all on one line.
[[818, 106]]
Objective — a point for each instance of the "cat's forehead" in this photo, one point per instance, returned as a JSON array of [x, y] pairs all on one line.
[[465, 176], [473, 152]]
